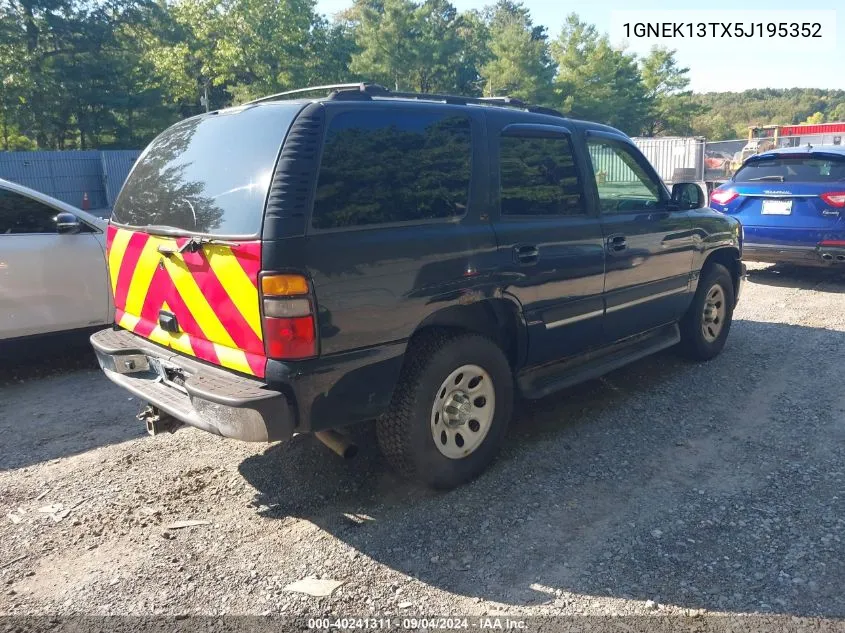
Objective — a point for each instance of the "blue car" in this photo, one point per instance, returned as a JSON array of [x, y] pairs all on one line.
[[791, 203]]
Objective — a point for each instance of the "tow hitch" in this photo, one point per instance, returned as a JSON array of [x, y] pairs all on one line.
[[157, 421]]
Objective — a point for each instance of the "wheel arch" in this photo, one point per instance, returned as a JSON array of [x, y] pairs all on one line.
[[728, 257], [499, 319]]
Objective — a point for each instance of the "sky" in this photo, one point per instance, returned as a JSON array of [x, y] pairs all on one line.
[[716, 65]]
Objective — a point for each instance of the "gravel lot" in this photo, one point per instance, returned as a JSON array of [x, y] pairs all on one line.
[[666, 487]]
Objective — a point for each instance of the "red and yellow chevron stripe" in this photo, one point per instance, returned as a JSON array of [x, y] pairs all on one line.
[[213, 293]]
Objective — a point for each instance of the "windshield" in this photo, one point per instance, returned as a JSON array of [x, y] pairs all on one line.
[[208, 174], [793, 169]]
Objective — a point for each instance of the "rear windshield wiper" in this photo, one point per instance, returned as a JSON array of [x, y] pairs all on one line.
[[196, 243], [192, 245], [773, 177]]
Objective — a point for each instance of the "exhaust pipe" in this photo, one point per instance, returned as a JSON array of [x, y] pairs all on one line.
[[827, 257], [339, 443]]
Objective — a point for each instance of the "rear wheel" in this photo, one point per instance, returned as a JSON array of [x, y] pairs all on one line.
[[450, 409], [705, 327]]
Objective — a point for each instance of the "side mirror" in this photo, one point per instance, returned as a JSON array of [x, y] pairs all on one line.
[[688, 195], [68, 223]]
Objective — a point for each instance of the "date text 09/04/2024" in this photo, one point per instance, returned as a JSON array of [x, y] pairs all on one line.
[[415, 623]]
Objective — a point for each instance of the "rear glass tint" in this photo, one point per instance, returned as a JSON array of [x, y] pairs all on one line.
[[803, 169], [389, 165], [208, 174]]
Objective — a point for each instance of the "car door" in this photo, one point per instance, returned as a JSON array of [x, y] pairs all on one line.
[[549, 238], [649, 247], [48, 281]]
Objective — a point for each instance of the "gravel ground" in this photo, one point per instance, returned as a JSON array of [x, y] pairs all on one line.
[[665, 487]]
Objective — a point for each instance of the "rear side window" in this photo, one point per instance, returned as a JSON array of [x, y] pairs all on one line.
[[391, 166], [539, 177], [22, 215], [787, 169]]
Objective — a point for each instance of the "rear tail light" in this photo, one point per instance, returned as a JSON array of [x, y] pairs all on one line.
[[832, 243], [290, 331], [723, 196], [834, 198]]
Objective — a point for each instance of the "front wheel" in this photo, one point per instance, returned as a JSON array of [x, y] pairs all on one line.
[[450, 409], [705, 327]]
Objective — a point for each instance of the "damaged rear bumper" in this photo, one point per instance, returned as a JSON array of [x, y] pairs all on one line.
[[197, 394]]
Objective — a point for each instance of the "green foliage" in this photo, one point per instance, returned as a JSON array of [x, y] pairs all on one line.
[[519, 64], [672, 106], [767, 106], [114, 73], [596, 81], [815, 118]]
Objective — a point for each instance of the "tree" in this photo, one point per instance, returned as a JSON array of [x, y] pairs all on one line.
[[596, 81], [266, 46], [815, 118], [409, 46], [671, 106], [384, 32], [519, 63]]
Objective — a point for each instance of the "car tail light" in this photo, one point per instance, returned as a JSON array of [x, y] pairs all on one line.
[[287, 302], [834, 198], [722, 196], [837, 243]]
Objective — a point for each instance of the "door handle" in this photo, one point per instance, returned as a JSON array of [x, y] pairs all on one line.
[[616, 243], [526, 254]]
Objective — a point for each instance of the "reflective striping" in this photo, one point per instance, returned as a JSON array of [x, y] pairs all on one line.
[[233, 358], [196, 302], [213, 293], [142, 276], [116, 252], [128, 321], [127, 266], [575, 319], [239, 287]]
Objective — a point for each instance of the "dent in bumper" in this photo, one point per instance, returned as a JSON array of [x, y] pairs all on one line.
[[208, 398]]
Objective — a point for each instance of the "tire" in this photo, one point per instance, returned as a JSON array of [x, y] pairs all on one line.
[[424, 406], [698, 327]]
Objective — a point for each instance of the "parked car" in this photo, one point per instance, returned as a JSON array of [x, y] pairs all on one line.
[[52, 265], [790, 202], [301, 264]]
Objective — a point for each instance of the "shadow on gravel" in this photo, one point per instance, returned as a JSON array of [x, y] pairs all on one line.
[[55, 402], [830, 279], [39, 357], [716, 486]]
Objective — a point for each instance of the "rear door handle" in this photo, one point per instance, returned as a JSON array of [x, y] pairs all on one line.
[[616, 243], [526, 254]]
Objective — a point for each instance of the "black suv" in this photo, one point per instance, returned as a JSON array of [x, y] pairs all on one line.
[[300, 264]]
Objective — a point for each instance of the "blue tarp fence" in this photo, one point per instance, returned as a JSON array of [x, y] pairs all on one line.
[[69, 175]]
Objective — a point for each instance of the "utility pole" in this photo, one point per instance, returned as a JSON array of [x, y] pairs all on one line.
[[204, 97]]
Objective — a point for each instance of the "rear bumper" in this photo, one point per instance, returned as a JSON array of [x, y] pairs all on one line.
[[806, 255], [199, 395]]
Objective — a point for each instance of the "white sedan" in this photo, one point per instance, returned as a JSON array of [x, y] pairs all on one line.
[[53, 274]]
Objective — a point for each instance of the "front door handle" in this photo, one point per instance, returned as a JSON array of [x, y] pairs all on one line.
[[526, 254], [616, 244]]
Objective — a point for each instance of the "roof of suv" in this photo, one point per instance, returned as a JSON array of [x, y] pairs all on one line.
[[368, 92]]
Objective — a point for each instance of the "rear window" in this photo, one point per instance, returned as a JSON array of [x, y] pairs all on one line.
[[388, 165], [208, 174], [792, 169]]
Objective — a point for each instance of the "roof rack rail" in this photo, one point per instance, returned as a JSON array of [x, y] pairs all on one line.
[[365, 90], [361, 87]]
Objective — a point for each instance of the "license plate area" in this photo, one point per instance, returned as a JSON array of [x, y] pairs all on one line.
[[776, 207], [168, 373]]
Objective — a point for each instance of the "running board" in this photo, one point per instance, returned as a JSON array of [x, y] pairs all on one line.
[[542, 381]]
